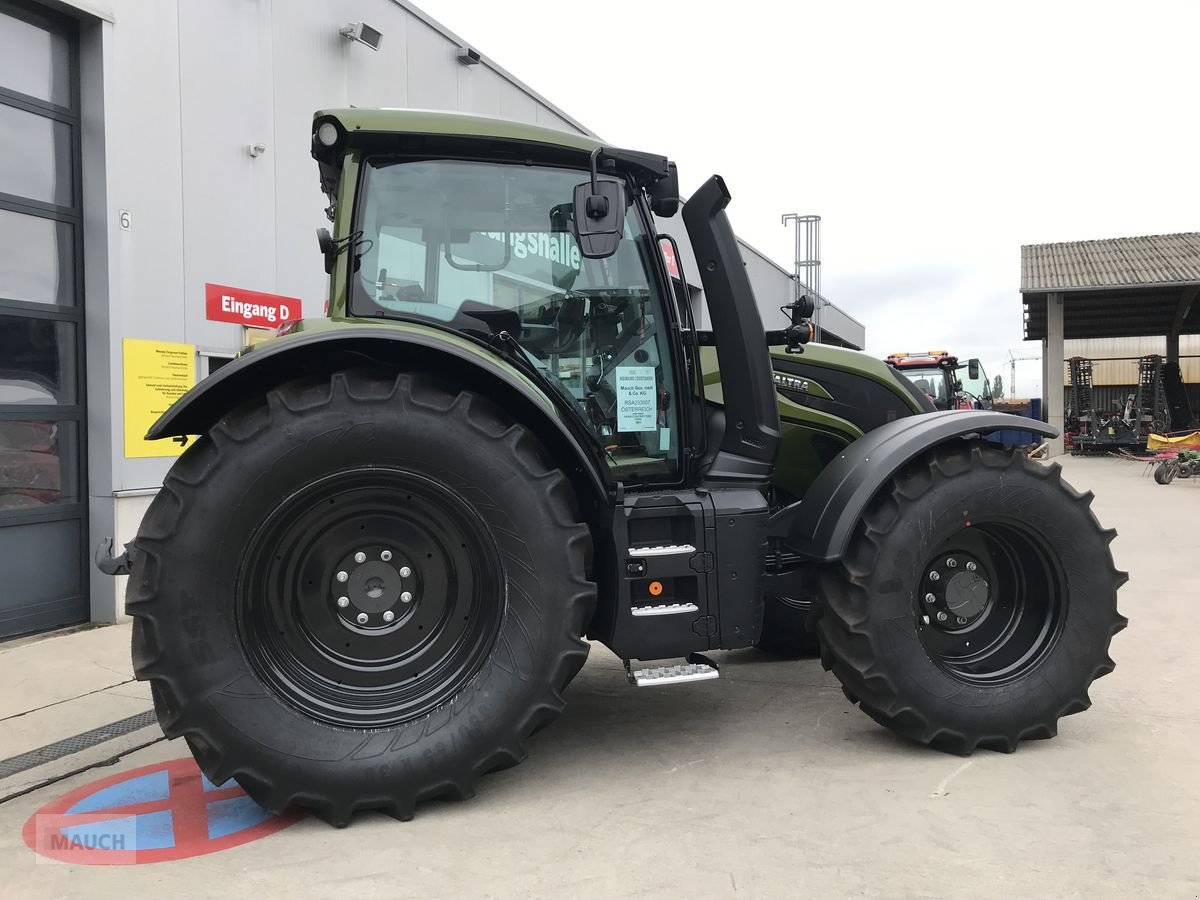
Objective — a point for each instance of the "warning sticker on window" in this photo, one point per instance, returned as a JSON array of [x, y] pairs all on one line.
[[637, 398]]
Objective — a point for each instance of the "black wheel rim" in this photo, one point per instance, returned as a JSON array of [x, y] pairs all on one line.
[[370, 597], [990, 603]]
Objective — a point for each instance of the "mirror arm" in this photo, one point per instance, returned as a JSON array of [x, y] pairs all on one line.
[[595, 165]]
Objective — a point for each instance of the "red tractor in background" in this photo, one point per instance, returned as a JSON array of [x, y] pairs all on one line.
[[948, 383]]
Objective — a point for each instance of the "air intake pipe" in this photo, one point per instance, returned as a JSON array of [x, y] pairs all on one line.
[[750, 441]]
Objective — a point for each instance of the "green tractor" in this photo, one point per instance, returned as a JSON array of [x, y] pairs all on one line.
[[375, 572]]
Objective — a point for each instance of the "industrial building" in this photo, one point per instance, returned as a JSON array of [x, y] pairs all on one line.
[[155, 174]]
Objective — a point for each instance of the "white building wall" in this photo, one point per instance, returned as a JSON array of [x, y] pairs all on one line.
[[174, 94]]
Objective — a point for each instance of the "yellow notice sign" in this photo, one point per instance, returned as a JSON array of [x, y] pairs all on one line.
[[156, 375]]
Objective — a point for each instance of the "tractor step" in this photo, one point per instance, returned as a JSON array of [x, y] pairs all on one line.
[[697, 668], [663, 550], [666, 609]]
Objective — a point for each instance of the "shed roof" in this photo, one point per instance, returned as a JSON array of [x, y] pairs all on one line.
[[1155, 259], [1134, 286]]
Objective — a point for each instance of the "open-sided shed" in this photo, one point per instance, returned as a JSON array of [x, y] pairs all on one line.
[[1136, 287]]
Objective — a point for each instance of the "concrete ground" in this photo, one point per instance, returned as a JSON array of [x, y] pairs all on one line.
[[765, 783]]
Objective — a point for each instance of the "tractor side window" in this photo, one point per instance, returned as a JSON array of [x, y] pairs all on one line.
[[978, 388], [487, 247]]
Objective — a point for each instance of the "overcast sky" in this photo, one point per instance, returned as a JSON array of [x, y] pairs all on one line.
[[933, 138]]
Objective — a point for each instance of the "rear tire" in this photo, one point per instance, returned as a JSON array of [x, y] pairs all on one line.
[[467, 537], [1025, 582]]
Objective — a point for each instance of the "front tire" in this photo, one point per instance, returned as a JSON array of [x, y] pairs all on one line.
[[362, 592], [976, 601]]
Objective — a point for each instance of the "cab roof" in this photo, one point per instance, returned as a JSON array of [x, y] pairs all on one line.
[[451, 124]]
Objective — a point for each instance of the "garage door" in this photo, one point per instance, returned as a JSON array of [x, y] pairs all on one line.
[[43, 578]]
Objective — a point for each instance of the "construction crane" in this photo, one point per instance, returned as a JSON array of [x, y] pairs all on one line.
[[1012, 372]]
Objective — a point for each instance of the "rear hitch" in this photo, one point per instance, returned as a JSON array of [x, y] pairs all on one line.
[[114, 565]]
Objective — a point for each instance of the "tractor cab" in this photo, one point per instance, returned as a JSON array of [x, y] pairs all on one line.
[[948, 383]]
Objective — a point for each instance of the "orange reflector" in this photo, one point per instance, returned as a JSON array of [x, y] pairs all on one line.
[[655, 588]]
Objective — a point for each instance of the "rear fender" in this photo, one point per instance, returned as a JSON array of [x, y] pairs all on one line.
[[819, 526], [326, 350]]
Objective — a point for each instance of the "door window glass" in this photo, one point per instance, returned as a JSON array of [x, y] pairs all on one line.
[[35, 259], [34, 61], [37, 361], [39, 462], [35, 157]]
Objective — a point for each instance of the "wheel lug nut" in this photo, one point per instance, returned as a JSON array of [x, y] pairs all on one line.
[[924, 620], [362, 618], [405, 571], [360, 557], [935, 575], [971, 567], [385, 555], [962, 621], [343, 602], [951, 563], [406, 597], [343, 576], [942, 617], [930, 598], [388, 615]]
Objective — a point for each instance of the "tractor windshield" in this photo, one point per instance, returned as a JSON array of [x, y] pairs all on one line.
[[484, 247], [930, 380]]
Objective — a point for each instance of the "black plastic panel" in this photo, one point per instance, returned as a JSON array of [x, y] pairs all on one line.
[[723, 577]]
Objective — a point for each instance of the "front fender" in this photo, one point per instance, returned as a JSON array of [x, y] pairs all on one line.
[[820, 525], [413, 348]]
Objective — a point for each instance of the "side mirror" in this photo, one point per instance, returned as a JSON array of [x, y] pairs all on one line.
[[329, 248], [664, 196], [973, 369], [599, 208]]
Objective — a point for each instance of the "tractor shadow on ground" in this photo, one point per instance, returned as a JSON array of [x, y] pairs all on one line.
[[760, 701], [763, 712]]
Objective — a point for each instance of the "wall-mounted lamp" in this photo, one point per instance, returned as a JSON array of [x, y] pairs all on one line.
[[467, 56], [363, 33]]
